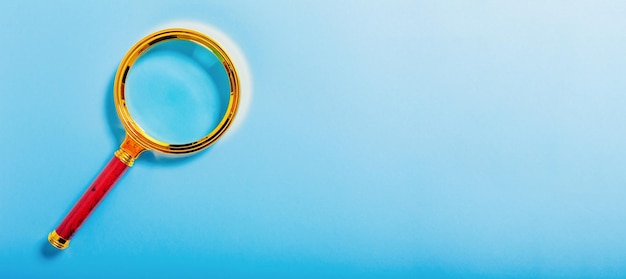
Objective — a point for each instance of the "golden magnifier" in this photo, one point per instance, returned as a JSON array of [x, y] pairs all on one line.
[[137, 140]]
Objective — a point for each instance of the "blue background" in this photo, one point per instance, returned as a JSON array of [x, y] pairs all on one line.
[[384, 139]]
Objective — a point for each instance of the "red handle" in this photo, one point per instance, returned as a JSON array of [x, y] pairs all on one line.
[[60, 237]]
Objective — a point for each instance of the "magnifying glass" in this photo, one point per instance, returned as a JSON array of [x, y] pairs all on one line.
[[176, 92]]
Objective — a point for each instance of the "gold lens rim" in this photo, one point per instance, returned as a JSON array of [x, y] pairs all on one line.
[[134, 131]]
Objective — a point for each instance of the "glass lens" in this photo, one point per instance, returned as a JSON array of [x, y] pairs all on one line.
[[177, 91]]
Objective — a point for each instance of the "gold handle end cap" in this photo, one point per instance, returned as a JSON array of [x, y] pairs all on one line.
[[57, 241]]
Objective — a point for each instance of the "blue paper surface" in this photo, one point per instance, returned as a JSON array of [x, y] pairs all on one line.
[[384, 139]]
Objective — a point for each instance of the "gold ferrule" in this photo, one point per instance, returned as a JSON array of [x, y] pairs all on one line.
[[125, 157], [57, 241], [129, 151]]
